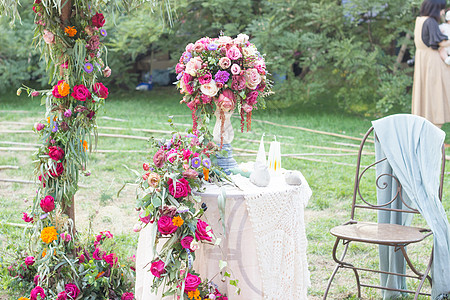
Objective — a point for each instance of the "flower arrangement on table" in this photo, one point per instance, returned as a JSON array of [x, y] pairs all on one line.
[[228, 72], [167, 201]]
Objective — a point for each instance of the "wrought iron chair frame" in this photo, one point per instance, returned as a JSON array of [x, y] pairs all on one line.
[[399, 245]]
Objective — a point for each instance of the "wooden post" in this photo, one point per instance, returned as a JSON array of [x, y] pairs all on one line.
[[66, 12]]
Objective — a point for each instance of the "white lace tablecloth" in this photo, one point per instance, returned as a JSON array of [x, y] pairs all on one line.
[[265, 243]]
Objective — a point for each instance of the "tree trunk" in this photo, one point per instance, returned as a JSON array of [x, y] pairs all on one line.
[[66, 11]]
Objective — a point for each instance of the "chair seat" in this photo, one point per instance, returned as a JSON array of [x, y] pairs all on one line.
[[379, 233]]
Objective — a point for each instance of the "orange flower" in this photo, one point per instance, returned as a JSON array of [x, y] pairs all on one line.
[[23, 298], [177, 221], [99, 275], [49, 234], [63, 88], [85, 145], [70, 30], [153, 179], [206, 174], [44, 253]]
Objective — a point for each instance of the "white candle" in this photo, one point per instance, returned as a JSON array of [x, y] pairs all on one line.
[[275, 156]]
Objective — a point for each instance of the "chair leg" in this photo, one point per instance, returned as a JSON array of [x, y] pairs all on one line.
[[425, 276], [340, 264]]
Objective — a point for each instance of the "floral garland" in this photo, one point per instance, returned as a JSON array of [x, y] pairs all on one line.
[[166, 199], [225, 71], [57, 264]]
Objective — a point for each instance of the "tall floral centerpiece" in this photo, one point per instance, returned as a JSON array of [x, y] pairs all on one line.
[[218, 76], [166, 200]]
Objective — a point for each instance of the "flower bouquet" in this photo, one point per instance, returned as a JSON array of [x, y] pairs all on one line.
[[167, 202], [226, 72]]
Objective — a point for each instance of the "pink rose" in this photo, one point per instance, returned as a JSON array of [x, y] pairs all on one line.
[[209, 89], [56, 153], [189, 47], [37, 291], [107, 71], [48, 37], [97, 255], [234, 53], [252, 78], [127, 296], [59, 170], [251, 98], [179, 68], [235, 69], [101, 90], [72, 290], [186, 242], [191, 282], [62, 296], [98, 20], [157, 268], [223, 40], [182, 188], [198, 47], [238, 83], [165, 225], [205, 78], [159, 158], [201, 233], [247, 108], [48, 203], [224, 62], [194, 65], [110, 259], [261, 67], [226, 100], [39, 126], [190, 174], [29, 260]]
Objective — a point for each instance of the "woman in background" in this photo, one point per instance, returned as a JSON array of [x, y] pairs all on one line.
[[431, 88]]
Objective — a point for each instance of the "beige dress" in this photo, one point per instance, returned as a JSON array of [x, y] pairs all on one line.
[[431, 88]]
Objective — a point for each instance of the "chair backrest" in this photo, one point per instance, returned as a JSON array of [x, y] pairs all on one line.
[[396, 203]]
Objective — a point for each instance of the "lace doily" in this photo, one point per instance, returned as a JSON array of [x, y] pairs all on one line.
[[277, 217]]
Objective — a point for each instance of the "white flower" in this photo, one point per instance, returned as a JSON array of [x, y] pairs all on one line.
[[209, 89]]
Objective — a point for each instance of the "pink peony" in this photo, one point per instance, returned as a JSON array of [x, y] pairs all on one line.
[[165, 225], [81, 93], [181, 189], [62, 296], [48, 204], [101, 90], [56, 153], [127, 296], [37, 291], [98, 20], [159, 158], [191, 282], [251, 98], [27, 218], [110, 259], [186, 242], [72, 290], [157, 268], [201, 233], [205, 78], [224, 62], [29, 260], [234, 53]]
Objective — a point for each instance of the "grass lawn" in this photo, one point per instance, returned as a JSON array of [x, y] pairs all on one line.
[[320, 158]]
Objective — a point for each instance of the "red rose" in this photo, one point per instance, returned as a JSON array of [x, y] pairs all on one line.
[[59, 170], [62, 296], [98, 20], [165, 225], [182, 188], [56, 153], [191, 282], [101, 90], [127, 296], [157, 268], [48, 204], [81, 93], [201, 233], [37, 291], [186, 242], [72, 290]]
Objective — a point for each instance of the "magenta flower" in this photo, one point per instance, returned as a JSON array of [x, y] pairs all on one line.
[[37, 291], [222, 76], [27, 218], [29, 260]]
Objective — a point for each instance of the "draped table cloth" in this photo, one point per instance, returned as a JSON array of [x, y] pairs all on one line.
[[264, 245]]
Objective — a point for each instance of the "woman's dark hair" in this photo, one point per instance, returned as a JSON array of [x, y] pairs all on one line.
[[432, 8]]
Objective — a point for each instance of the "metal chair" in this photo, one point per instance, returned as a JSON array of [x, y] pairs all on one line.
[[394, 235]]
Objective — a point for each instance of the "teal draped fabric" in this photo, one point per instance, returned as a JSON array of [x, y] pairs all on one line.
[[413, 148]]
